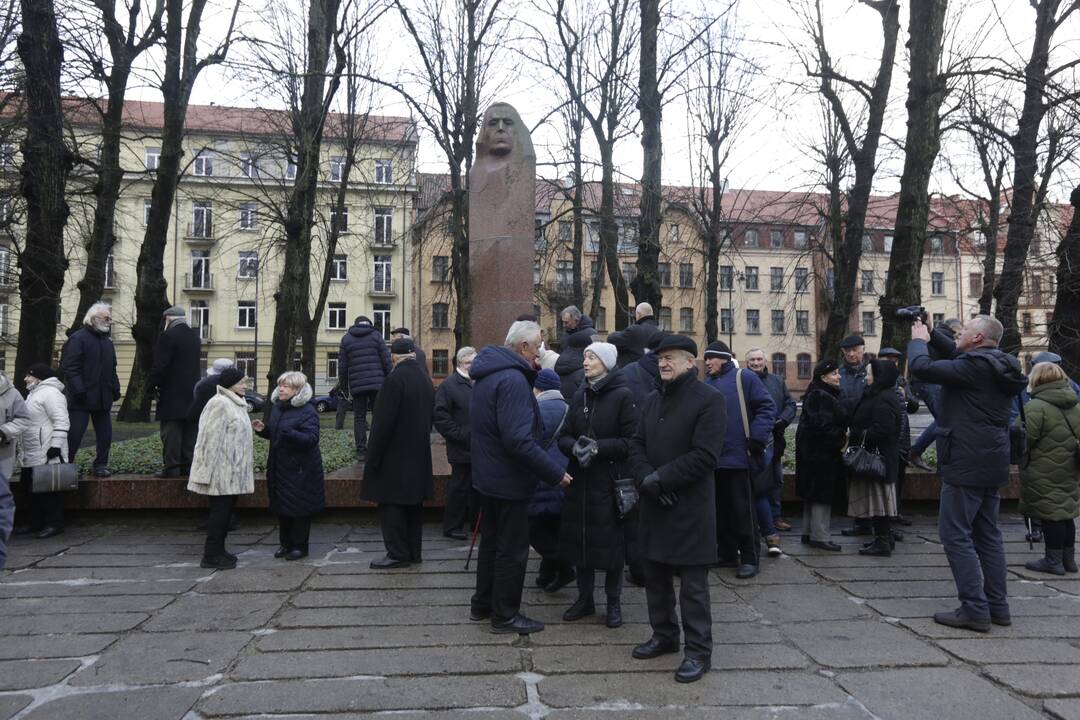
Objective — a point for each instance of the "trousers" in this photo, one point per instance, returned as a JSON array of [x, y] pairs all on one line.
[[217, 524], [816, 518], [402, 530], [178, 444], [693, 603], [1059, 534], [294, 532], [46, 509], [461, 499], [361, 402], [736, 516], [80, 419], [968, 528], [502, 558], [586, 582]]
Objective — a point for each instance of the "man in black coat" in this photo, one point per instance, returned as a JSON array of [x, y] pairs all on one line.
[[421, 358], [677, 445], [642, 331], [173, 376], [397, 474], [88, 368], [363, 364], [451, 417], [910, 404]]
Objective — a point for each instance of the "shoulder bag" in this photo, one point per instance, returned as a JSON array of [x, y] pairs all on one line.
[[863, 463], [761, 477]]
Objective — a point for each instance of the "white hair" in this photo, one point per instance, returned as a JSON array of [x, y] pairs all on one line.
[[521, 331], [464, 353], [751, 351], [643, 310], [573, 312], [989, 326], [94, 310], [293, 378]]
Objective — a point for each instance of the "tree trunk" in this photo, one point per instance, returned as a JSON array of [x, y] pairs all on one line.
[[45, 168], [1022, 211], [577, 200], [1064, 329], [926, 91], [609, 237], [990, 232], [646, 283]]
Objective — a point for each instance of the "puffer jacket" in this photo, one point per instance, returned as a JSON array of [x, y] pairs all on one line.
[[363, 359], [49, 422], [1050, 480], [547, 499], [14, 420], [224, 459], [760, 412], [294, 469]]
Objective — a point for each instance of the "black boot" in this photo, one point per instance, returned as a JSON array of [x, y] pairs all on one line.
[[214, 555], [862, 526], [547, 572], [1050, 563], [614, 613], [582, 607], [1068, 559]]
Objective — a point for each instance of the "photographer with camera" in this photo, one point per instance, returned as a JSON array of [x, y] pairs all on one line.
[[978, 387]]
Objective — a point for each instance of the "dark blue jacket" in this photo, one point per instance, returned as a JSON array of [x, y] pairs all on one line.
[[852, 386], [978, 392], [785, 408], [294, 469], [363, 359], [643, 376], [759, 410], [507, 459], [88, 369], [547, 500]]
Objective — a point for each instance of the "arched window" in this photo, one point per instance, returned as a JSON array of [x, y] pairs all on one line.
[[802, 366], [779, 365]]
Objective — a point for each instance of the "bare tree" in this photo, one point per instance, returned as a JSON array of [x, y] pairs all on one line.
[[1064, 329], [181, 69]]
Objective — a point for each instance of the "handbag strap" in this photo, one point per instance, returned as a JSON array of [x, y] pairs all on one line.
[[742, 403]]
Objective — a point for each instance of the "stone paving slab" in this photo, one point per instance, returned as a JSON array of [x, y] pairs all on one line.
[[66, 605], [801, 603], [280, 578], [1028, 627], [861, 643], [92, 589], [160, 658], [235, 611], [832, 711], [935, 589], [26, 674], [1063, 709], [460, 660], [170, 703], [1019, 607], [1039, 680], [600, 658], [10, 705], [89, 622], [31, 647], [1017, 650]]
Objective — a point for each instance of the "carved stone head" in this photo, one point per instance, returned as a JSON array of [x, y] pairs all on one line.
[[502, 133]]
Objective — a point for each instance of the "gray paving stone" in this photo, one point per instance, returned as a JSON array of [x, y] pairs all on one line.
[[1028, 627], [884, 573], [12, 704], [1071, 586], [235, 611], [283, 578], [356, 638], [363, 694], [39, 575], [1019, 607], [602, 658], [340, 581], [833, 711], [90, 622], [939, 693], [933, 589], [830, 559], [470, 714], [784, 571], [94, 589], [997, 651], [388, 598], [69, 560], [159, 658], [29, 647], [659, 689], [460, 660], [170, 703], [68, 605], [799, 604], [862, 643], [1038, 680], [26, 674], [1063, 709]]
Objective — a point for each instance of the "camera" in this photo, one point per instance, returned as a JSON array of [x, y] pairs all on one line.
[[912, 313]]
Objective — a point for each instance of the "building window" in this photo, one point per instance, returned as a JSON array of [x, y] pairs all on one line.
[[937, 245], [686, 275], [245, 363], [727, 321], [777, 322], [686, 319], [152, 158], [869, 324], [600, 319], [335, 316], [937, 283], [199, 317], [664, 271], [247, 267], [248, 216], [384, 226], [339, 223], [440, 316], [298, 361], [801, 240], [753, 322], [204, 361], [337, 168], [1035, 290], [750, 239], [384, 172], [331, 366], [539, 241], [592, 238], [440, 363], [665, 319], [200, 270], [339, 268], [779, 365], [245, 314], [727, 277], [975, 284], [628, 232], [936, 319], [751, 278], [673, 233], [383, 278], [202, 219], [249, 165], [802, 279], [867, 284], [147, 204], [629, 272], [776, 238], [536, 273], [802, 366], [290, 168], [7, 156], [440, 268], [1027, 324], [802, 322], [867, 243], [565, 228], [381, 319], [776, 279], [110, 270], [203, 164], [888, 243]]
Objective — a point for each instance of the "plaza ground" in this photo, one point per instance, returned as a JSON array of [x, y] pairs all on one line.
[[115, 619]]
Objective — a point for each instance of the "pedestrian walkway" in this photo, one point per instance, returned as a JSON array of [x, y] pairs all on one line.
[[116, 620]]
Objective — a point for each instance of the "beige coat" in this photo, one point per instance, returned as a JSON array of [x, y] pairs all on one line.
[[223, 463]]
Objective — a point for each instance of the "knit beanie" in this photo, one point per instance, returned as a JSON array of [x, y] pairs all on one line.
[[41, 371], [547, 379], [229, 377], [606, 352]]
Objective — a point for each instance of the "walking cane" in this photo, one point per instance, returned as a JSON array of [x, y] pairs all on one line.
[[1027, 521], [475, 532]]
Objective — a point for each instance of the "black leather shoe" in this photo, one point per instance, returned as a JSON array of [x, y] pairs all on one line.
[[857, 531], [296, 554], [635, 579], [746, 571], [456, 534], [26, 529], [959, 619], [160, 474], [561, 580], [653, 648], [49, 532], [902, 520], [518, 624], [804, 539], [1002, 620], [102, 471], [217, 562], [880, 547], [478, 615], [229, 555], [691, 670], [614, 615], [388, 563], [825, 545], [281, 552], [582, 607]]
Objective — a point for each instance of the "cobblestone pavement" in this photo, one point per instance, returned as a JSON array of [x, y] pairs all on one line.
[[116, 620]]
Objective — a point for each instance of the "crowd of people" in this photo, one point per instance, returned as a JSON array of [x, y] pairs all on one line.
[[610, 456]]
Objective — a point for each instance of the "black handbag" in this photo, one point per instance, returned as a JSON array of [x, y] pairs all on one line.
[[865, 464], [626, 496]]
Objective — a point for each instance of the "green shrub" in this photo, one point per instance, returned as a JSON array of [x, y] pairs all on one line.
[[930, 456], [142, 456]]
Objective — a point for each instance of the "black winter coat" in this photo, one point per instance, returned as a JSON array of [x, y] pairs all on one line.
[[643, 377], [204, 390], [910, 404], [639, 334], [878, 418], [451, 416], [175, 371], [294, 469], [852, 385], [569, 365], [88, 367], [363, 360], [680, 436], [819, 443], [785, 409], [590, 532], [398, 467]]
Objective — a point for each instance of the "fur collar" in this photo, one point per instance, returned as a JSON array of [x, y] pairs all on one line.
[[299, 399]]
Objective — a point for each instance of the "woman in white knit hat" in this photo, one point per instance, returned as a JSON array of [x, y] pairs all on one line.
[[596, 437]]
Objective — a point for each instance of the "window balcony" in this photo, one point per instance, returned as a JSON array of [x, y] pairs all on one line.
[[383, 288], [112, 283], [204, 331], [200, 232], [383, 243], [199, 282]]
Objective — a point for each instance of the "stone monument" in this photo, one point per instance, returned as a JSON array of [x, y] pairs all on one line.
[[502, 210]]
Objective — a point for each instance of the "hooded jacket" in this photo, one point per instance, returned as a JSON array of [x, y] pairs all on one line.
[[363, 359], [547, 499], [88, 370], [224, 458], [1050, 480], [570, 366], [451, 416], [14, 421], [785, 406], [49, 424], [760, 412], [507, 459], [643, 376], [294, 469], [978, 388]]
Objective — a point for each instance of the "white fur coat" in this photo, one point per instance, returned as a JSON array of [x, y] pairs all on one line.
[[224, 462]]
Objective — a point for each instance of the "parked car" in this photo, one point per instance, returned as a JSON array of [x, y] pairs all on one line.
[[255, 401], [329, 403]]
